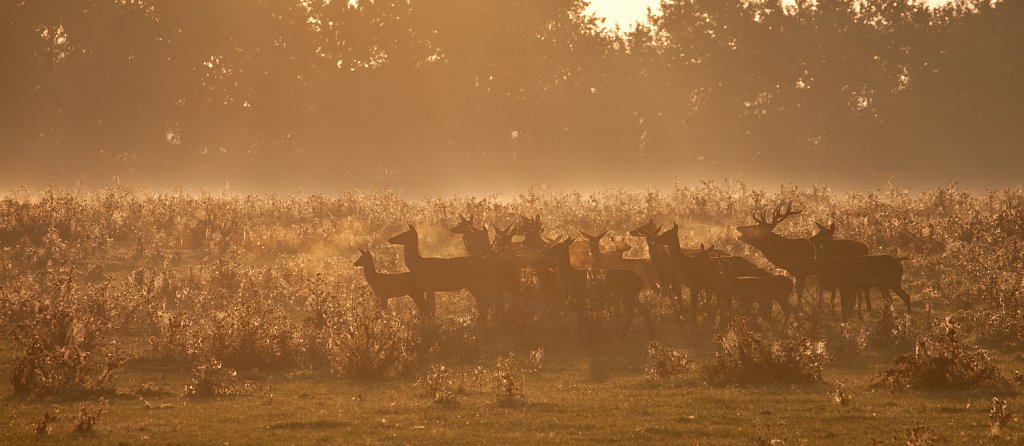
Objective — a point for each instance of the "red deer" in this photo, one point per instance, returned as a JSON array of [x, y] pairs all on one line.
[[762, 290], [852, 273], [842, 247], [665, 271], [796, 256], [386, 286], [599, 257], [471, 273], [620, 285], [696, 274], [476, 239]]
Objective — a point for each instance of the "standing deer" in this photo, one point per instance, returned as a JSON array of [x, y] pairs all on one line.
[[762, 290], [476, 239], [796, 256], [386, 286], [666, 274], [472, 273], [852, 273], [620, 285], [601, 258], [614, 259], [841, 247], [696, 274]]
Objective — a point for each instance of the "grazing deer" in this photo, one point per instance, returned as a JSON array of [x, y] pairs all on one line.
[[471, 273], [477, 242], [841, 247], [796, 256], [618, 284], [852, 273], [763, 290], [386, 286]]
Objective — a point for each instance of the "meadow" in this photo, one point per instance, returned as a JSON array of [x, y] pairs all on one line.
[[134, 317]]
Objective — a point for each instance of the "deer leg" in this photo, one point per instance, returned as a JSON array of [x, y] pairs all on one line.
[[846, 298], [431, 303], [420, 301], [898, 289], [800, 290], [867, 298]]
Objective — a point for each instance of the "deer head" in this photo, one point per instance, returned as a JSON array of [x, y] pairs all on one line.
[[764, 225], [620, 245], [560, 249], [503, 237], [646, 229], [465, 226], [409, 237], [365, 259], [825, 234], [594, 239], [669, 237]]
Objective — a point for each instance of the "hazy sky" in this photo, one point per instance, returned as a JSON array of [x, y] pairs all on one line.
[[627, 12]]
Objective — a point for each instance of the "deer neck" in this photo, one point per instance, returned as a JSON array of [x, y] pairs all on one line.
[[370, 272], [412, 254], [595, 249]]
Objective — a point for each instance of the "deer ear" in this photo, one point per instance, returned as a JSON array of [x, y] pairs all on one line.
[[820, 226], [833, 226], [702, 248], [601, 235], [412, 228], [461, 218]]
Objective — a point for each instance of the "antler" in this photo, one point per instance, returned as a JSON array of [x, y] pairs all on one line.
[[778, 215]]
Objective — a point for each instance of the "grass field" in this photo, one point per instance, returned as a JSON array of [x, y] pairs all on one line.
[[242, 273]]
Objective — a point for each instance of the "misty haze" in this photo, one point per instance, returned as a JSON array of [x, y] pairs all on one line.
[[511, 222]]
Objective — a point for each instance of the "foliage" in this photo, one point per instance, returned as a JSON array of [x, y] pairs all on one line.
[[210, 378], [939, 361], [508, 381], [663, 362], [746, 357]]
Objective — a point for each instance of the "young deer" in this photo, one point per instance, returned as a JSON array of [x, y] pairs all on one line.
[[614, 259], [796, 256], [471, 273], [841, 247], [762, 290], [386, 286], [618, 284], [477, 242], [852, 273]]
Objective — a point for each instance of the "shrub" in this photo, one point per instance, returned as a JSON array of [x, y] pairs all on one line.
[[890, 332], [211, 378], [438, 385], [746, 357], [370, 344], [939, 361], [663, 362], [508, 382]]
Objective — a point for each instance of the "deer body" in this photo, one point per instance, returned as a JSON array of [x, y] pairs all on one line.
[[386, 286], [618, 284], [840, 247], [852, 273], [762, 290], [472, 273]]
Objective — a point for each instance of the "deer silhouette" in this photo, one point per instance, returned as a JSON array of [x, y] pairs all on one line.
[[477, 242], [862, 272], [794, 255], [665, 271], [615, 259], [841, 247], [386, 286], [472, 273], [763, 290], [583, 286]]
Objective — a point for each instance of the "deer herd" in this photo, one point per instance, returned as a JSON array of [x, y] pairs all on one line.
[[591, 279]]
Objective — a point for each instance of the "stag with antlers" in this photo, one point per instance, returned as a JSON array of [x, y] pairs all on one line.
[[794, 255]]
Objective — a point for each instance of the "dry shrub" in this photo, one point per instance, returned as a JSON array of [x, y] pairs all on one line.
[[665, 363], [508, 382], [210, 378], [368, 343], [748, 358], [890, 332], [847, 344], [939, 362], [998, 417], [438, 386], [65, 347], [89, 416]]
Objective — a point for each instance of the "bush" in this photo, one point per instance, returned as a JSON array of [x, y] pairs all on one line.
[[508, 382], [939, 361], [371, 344], [890, 332], [747, 358], [438, 385], [211, 378], [663, 362]]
